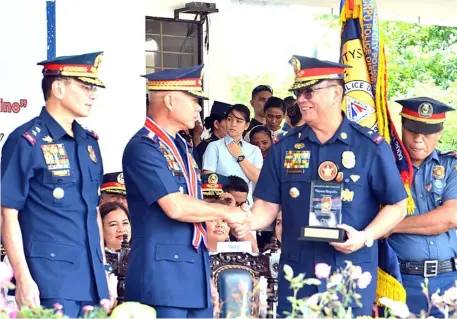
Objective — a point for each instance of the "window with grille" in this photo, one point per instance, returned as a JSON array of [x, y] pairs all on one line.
[[172, 44]]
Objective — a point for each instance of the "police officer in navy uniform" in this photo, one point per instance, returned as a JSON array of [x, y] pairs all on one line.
[[328, 148], [426, 242], [216, 123], [51, 176], [169, 262]]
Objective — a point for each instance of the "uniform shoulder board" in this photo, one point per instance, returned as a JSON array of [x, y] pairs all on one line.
[[152, 136], [32, 133], [93, 134], [29, 137], [449, 153], [286, 134], [89, 131], [369, 133]]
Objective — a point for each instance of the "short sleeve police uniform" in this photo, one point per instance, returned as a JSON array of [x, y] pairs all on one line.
[[434, 183], [45, 170], [165, 269], [365, 167], [53, 180]]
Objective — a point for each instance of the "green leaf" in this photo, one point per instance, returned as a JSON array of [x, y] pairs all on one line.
[[312, 282], [288, 272]]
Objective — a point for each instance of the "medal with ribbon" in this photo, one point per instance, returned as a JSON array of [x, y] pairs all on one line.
[[190, 176]]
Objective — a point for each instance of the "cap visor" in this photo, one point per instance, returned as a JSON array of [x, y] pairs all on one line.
[[92, 81], [114, 191], [200, 95], [421, 127]]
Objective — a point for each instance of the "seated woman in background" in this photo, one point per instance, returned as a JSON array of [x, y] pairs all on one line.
[[218, 231], [261, 137], [116, 223], [217, 188]]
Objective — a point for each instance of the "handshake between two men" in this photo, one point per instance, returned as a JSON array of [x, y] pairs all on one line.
[[238, 220]]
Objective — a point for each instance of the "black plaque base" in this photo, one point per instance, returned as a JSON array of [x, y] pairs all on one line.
[[326, 234]]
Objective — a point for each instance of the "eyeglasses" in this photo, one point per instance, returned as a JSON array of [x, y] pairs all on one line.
[[309, 92], [242, 203], [89, 89]]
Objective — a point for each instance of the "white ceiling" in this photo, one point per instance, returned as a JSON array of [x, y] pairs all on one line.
[[442, 12]]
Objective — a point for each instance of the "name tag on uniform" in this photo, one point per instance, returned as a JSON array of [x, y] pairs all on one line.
[[55, 156], [60, 173], [178, 173], [295, 162], [234, 247]]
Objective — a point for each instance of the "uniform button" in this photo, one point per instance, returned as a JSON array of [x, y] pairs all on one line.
[[420, 195], [431, 243], [176, 257], [53, 255]]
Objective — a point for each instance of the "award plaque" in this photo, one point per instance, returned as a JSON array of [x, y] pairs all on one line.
[[324, 213]]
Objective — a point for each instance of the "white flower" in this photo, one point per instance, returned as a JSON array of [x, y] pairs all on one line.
[[313, 300], [436, 299], [364, 280], [450, 295], [397, 308], [400, 309], [356, 272], [386, 302], [322, 270], [335, 280]]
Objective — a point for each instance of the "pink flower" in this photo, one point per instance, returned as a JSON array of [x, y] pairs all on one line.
[[88, 308], [58, 306], [59, 313], [364, 280], [6, 273], [12, 311], [13, 314], [322, 270], [106, 304]]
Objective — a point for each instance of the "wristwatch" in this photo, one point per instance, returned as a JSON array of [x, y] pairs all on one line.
[[240, 158], [368, 239]]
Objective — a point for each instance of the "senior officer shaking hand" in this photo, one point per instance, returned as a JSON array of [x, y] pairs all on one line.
[[328, 149], [426, 242], [169, 262], [51, 176]]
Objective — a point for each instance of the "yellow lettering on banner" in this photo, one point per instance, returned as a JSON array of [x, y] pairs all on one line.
[[358, 103]]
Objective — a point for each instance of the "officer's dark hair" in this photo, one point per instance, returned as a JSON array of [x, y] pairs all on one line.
[[46, 84], [260, 129], [209, 121], [294, 114], [236, 184], [275, 102], [243, 109], [261, 88], [108, 207], [290, 100]]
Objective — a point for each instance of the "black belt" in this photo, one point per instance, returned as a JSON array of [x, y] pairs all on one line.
[[428, 268]]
